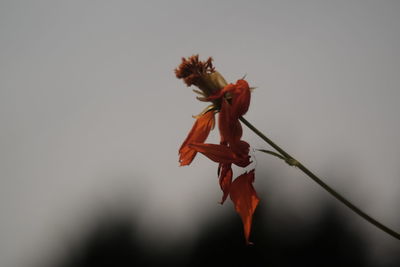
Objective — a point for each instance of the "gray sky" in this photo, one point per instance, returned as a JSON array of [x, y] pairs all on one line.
[[91, 114]]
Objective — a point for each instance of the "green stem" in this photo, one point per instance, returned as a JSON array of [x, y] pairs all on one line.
[[272, 153], [321, 183]]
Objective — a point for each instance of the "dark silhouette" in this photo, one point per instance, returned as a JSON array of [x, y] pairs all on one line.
[[329, 242]]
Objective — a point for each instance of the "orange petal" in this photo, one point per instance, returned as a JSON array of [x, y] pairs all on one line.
[[239, 95], [198, 134], [217, 153], [221, 154], [245, 200], [229, 126], [241, 149], [241, 98], [225, 180], [219, 94]]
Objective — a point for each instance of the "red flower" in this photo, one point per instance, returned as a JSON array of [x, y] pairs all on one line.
[[232, 101]]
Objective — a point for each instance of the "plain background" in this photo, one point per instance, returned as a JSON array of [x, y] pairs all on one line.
[[92, 116]]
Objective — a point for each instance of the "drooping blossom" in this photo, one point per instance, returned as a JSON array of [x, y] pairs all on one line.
[[231, 101]]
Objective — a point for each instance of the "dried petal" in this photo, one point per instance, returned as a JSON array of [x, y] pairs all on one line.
[[225, 180], [241, 98], [245, 200], [241, 149], [217, 153], [229, 126], [198, 134]]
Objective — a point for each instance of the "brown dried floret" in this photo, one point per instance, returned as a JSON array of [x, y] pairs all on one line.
[[192, 70], [201, 74]]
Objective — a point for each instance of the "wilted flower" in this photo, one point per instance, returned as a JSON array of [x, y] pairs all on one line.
[[231, 101]]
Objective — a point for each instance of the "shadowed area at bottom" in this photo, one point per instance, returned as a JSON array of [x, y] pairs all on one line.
[[328, 242]]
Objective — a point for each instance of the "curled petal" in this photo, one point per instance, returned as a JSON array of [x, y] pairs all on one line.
[[241, 149], [225, 180], [229, 126], [217, 153], [239, 95], [221, 154], [241, 98], [245, 200], [198, 134]]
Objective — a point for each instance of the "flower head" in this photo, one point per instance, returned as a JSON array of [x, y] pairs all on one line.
[[201, 74], [231, 101]]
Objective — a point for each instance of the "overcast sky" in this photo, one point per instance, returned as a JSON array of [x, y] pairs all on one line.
[[91, 115]]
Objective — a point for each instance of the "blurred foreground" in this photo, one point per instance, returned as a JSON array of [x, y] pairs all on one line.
[[329, 242]]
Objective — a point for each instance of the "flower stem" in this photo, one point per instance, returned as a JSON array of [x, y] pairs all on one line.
[[320, 182]]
